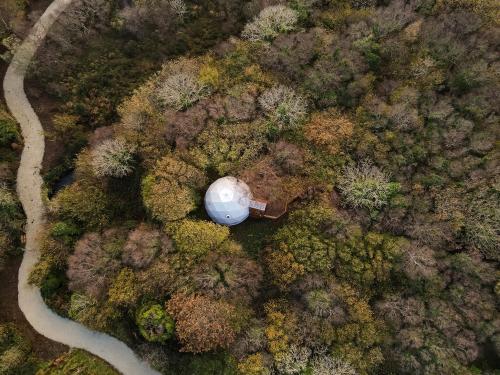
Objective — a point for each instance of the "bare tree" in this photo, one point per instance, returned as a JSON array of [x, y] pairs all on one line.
[[152, 17], [284, 106], [293, 361], [80, 21], [398, 310], [271, 22], [366, 186], [155, 355], [114, 158], [328, 365], [91, 267], [181, 90], [419, 262], [229, 276], [179, 7]]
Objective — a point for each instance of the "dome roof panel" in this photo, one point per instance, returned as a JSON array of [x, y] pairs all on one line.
[[227, 201]]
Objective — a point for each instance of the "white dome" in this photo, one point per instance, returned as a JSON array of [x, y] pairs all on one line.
[[227, 201]]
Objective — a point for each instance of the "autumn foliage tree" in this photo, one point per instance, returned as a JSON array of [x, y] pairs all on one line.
[[226, 148], [345, 323], [94, 262], [253, 365], [283, 267], [144, 243], [170, 191], [202, 324], [197, 238], [305, 241], [319, 239], [329, 130], [124, 290], [83, 204]]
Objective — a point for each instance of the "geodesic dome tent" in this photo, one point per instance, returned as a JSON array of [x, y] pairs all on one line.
[[227, 201]]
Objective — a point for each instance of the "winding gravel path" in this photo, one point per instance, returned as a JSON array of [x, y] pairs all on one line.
[[29, 183]]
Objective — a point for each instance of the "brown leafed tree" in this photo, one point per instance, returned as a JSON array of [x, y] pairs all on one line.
[[202, 324], [143, 244], [230, 276], [170, 191], [329, 130], [146, 18], [94, 263], [418, 262]]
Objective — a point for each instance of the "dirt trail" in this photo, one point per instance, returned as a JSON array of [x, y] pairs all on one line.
[[29, 183]]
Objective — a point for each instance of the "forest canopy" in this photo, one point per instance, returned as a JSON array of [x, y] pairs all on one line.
[[375, 121]]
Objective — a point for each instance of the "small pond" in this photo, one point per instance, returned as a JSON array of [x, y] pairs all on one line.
[[65, 180]]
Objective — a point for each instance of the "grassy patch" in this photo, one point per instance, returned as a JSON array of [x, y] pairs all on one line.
[[78, 362]]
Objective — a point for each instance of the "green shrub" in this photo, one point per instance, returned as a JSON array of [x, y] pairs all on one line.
[[9, 206], [15, 352], [154, 323], [8, 129], [124, 289], [371, 50], [209, 364], [51, 284], [463, 82], [197, 238], [83, 204], [302, 236], [65, 231]]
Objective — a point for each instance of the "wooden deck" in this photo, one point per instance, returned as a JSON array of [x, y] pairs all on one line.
[[273, 210]]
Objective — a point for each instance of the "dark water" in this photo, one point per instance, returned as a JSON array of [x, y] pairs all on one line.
[[64, 181]]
